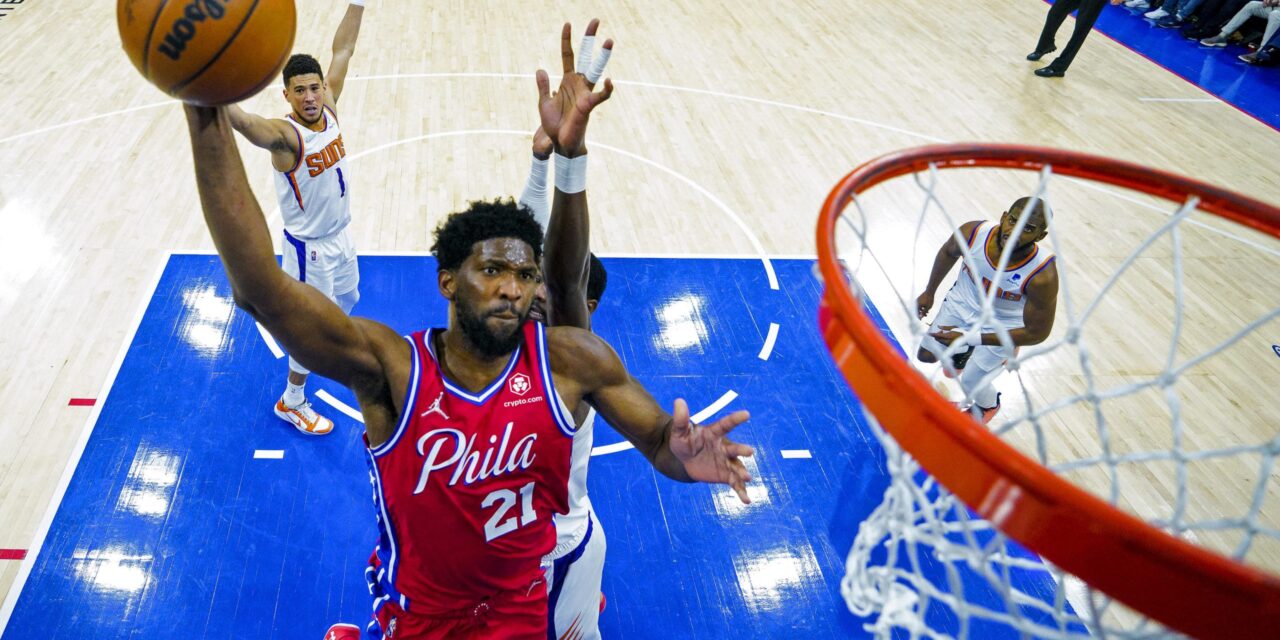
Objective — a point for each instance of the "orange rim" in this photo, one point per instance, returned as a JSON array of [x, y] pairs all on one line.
[[1185, 587]]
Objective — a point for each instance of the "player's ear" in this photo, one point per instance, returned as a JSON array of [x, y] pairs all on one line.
[[447, 282], [591, 305]]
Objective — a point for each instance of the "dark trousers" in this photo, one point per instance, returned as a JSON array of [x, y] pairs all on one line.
[[1089, 10]]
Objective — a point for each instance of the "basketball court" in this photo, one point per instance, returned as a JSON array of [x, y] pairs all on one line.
[[148, 489]]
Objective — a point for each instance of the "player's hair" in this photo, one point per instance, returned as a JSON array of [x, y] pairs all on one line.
[[1040, 207], [597, 280], [300, 64], [457, 236]]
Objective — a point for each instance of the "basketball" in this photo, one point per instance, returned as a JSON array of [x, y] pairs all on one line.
[[207, 52]]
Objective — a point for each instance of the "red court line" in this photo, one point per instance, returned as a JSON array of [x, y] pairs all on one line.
[[82, 402], [13, 554]]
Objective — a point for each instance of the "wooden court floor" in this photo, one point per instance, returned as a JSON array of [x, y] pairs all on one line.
[[730, 123]]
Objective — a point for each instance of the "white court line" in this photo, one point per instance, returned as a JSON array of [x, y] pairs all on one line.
[[1181, 100], [698, 417], [767, 350], [796, 454], [268, 454], [24, 572], [724, 208], [340, 406], [71, 123], [271, 341]]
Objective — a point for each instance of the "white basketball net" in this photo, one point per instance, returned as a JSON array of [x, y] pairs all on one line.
[[1082, 403]]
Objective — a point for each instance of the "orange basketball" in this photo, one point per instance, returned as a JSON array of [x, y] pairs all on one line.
[[207, 52]]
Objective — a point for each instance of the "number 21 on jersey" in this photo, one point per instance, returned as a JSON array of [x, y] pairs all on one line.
[[499, 523]]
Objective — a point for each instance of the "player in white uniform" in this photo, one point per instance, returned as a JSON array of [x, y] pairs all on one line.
[[313, 187], [1026, 295], [575, 567]]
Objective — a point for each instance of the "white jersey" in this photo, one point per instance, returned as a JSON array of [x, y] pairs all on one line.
[[1010, 298], [314, 196], [572, 526]]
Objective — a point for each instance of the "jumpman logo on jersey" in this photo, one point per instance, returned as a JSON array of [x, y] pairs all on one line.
[[435, 408]]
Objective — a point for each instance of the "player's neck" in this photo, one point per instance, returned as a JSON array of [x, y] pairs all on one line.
[[464, 363]]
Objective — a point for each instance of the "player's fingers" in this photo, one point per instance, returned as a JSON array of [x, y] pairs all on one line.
[[596, 69], [594, 99], [544, 86], [740, 450], [680, 418], [730, 422], [740, 487], [566, 49], [588, 46]]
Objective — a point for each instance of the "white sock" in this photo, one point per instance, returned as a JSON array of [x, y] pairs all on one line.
[[984, 394], [294, 394]]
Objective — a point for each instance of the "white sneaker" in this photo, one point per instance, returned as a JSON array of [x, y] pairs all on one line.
[[1137, 4], [304, 418], [1156, 15]]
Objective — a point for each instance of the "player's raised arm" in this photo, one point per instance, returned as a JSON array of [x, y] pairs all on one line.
[[675, 446], [313, 329], [344, 44], [564, 115], [948, 253], [273, 135]]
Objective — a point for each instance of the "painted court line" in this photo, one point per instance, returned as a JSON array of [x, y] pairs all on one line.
[[24, 572], [1206, 100], [767, 350], [271, 342], [711, 410], [268, 454], [340, 406], [81, 402], [796, 454]]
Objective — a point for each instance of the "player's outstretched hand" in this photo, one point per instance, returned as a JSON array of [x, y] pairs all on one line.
[[541, 144], [565, 112], [707, 455]]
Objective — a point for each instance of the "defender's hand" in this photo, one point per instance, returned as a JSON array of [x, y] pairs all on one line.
[[705, 452], [565, 113]]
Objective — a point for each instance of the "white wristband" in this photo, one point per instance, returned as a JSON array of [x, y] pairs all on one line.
[[973, 340], [571, 174]]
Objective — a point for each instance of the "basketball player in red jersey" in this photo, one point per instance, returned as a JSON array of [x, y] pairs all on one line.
[[469, 428], [313, 189]]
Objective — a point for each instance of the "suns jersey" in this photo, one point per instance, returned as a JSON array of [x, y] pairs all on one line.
[[466, 487], [1011, 286], [314, 195]]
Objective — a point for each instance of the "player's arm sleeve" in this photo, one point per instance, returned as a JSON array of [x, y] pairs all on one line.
[[344, 45], [310, 326], [535, 195]]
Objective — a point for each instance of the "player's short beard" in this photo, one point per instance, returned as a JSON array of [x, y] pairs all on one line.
[[478, 333]]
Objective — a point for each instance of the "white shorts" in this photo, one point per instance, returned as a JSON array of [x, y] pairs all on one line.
[[573, 587], [328, 264], [985, 357]]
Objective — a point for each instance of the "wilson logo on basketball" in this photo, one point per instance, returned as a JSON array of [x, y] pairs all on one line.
[[519, 384], [184, 28]]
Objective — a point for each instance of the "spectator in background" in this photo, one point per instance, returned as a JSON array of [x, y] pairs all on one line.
[[1089, 10], [1212, 16], [1265, 51], [1173, 13], [1269, 9]]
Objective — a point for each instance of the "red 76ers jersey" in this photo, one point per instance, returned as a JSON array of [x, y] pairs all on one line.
[[466, 487]]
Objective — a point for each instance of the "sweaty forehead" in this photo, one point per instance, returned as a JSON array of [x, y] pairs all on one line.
[[507, 250], [1035, 218], [304, 80]]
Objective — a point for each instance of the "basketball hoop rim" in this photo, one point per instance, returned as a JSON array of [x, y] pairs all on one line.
[[1130, 560]]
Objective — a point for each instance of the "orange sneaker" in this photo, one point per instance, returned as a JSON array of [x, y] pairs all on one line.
[[601, 602], [304, 418], [342, 632]]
